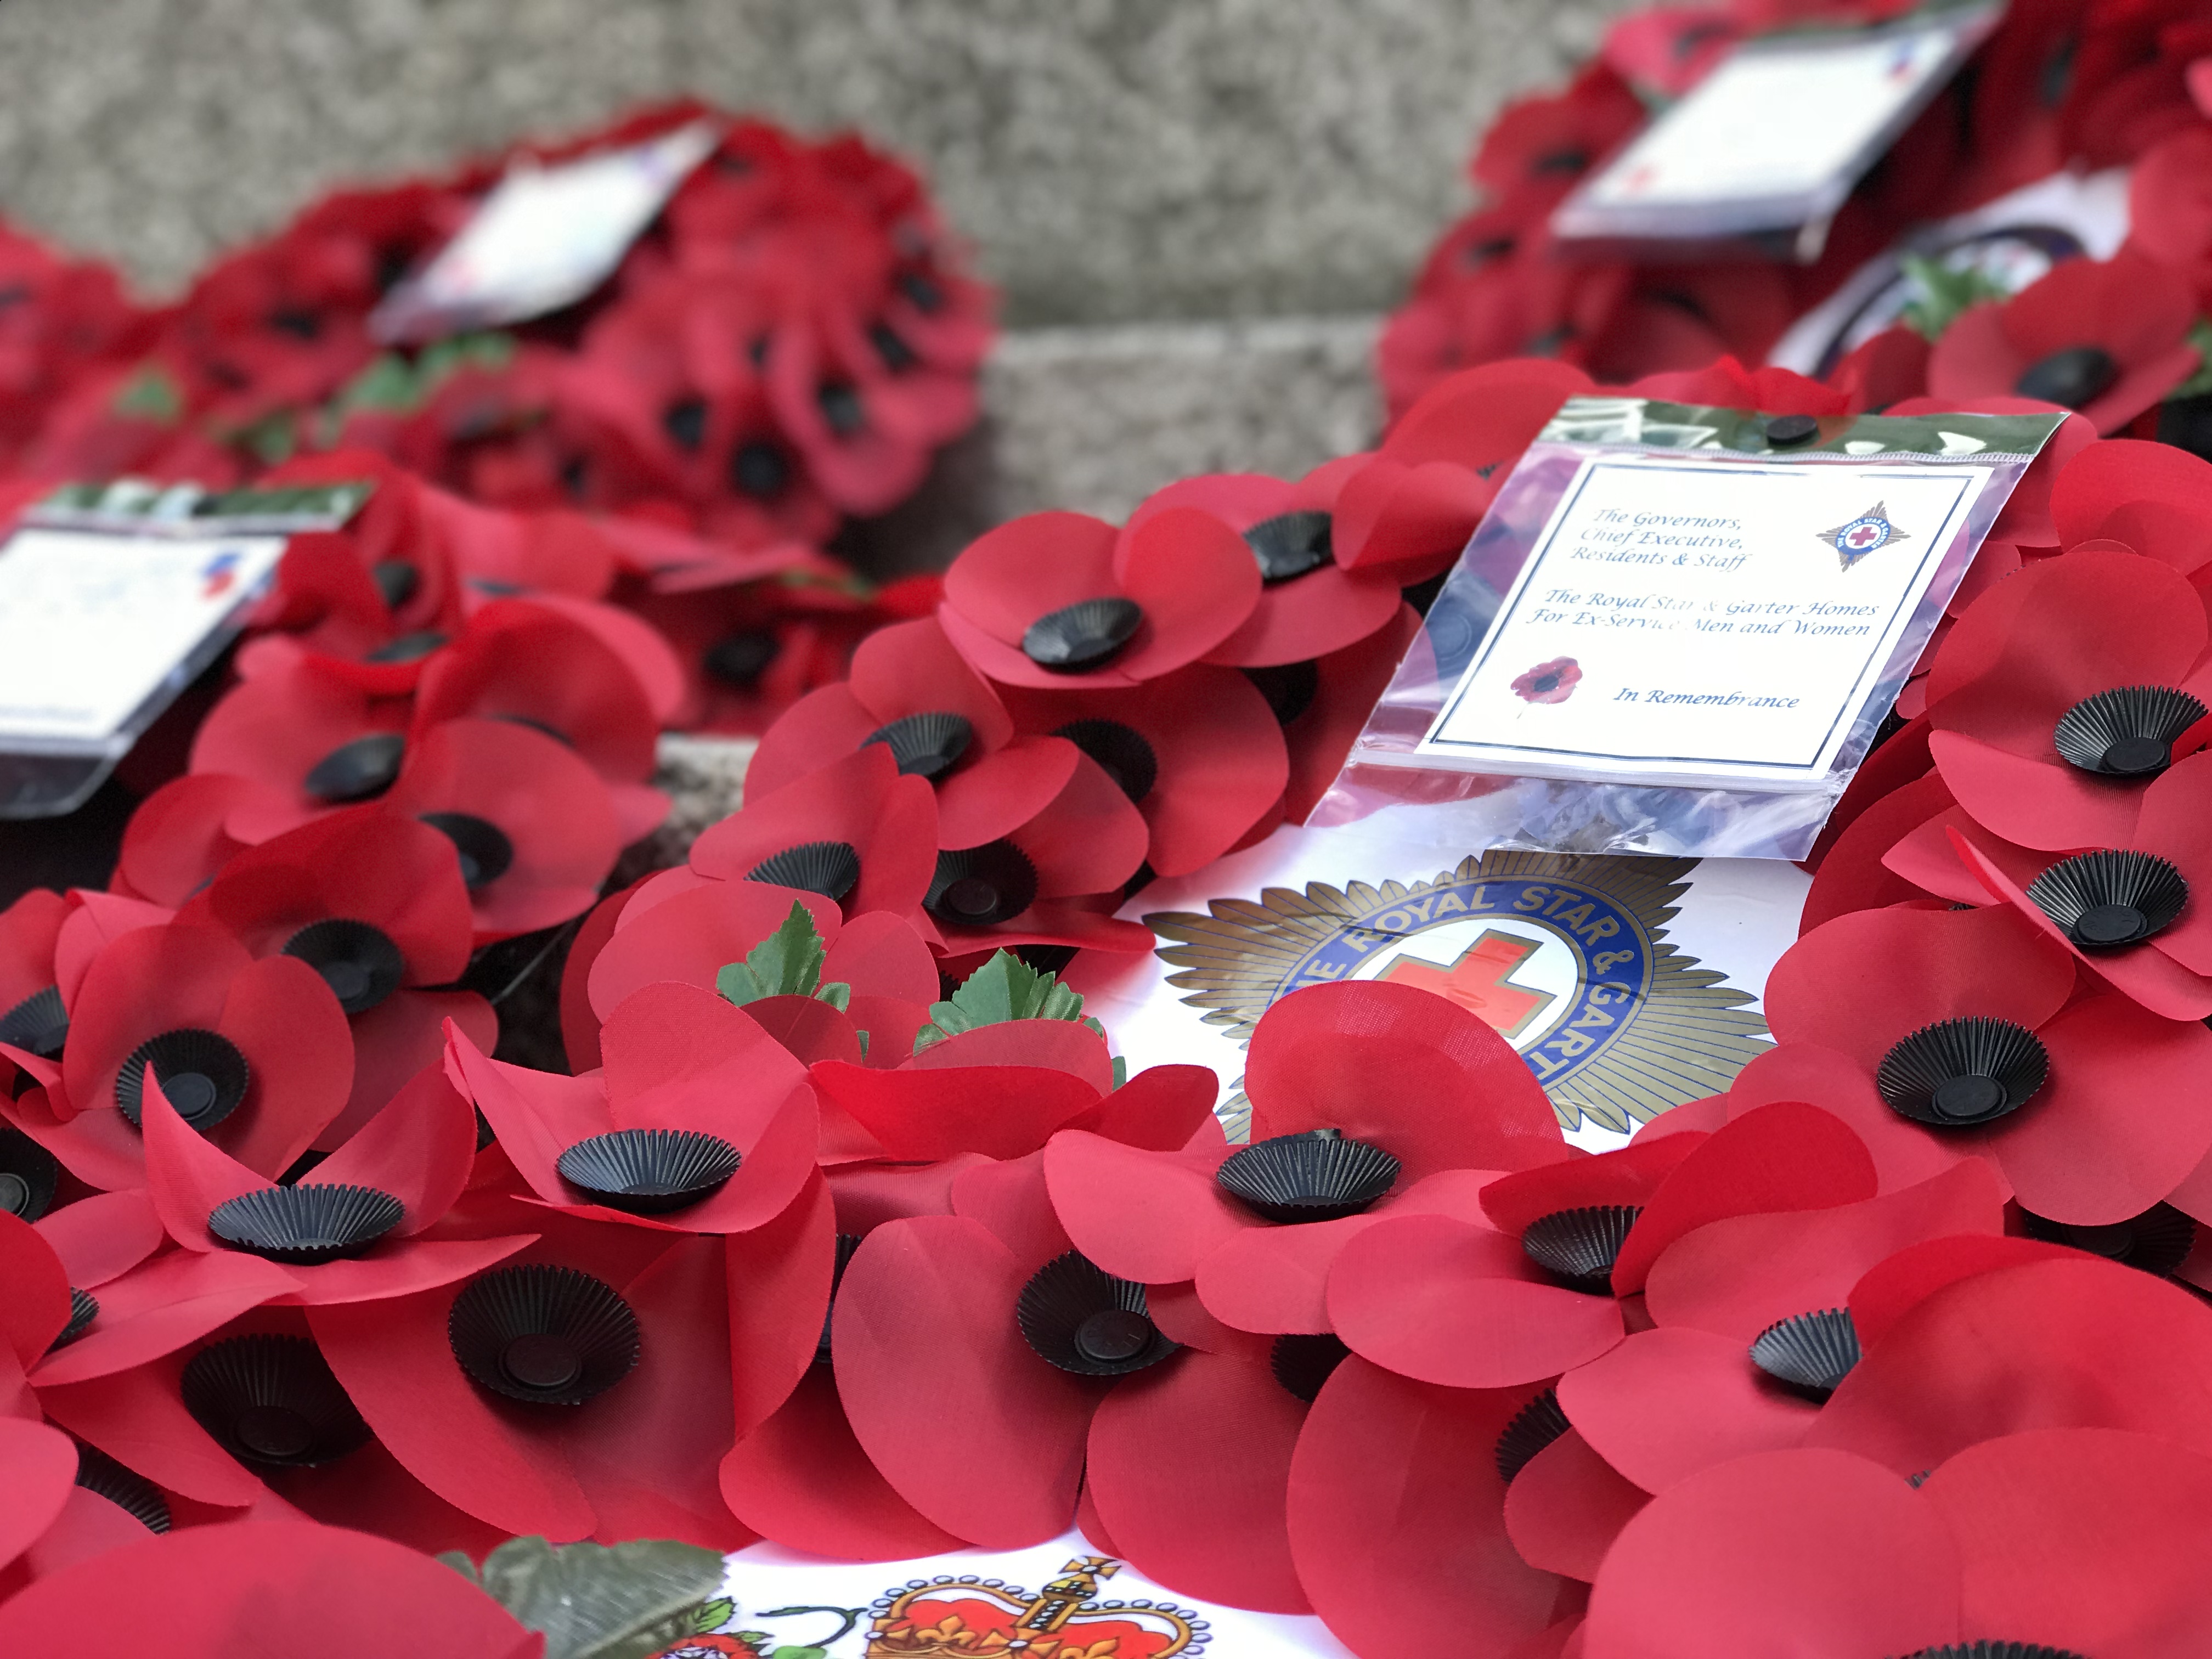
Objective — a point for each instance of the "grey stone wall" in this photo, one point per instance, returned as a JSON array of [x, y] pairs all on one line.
[[1112, 160]]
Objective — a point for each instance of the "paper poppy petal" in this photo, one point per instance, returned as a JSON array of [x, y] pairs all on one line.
[[419, 1149], [2078, 1343], [1317, 1053], [691, 937], [1188, 1465], [1756, 1555], [88, 1525], [1002, 791], [911, 668], [212, 1591], [880, 954], [1891, 1287], [1853, 875], [161, 1306], [1001, 1111], [1738, 1276], [1397, 1519], [1161, 1108], [927, 1355], [102, 1237], [800, 1480], [1275, 1280], [779, 1278], [187, 1175], [392, 1359], [1442, 1302], [1861, 982], [1008, 577], [1567, 1505], [1064, 1045], [1626, 1176], [536, 1115], [1182, 1317], [1309, 616], [295, 1037], [1148, 1215], [861, 800], [2034, 802], [1783, 1157], [2093, 1539], [394, 1041], [1667, 1403], [1905, 1153], [38, 1303], [1090, 840], [2085, 1150], [1009, 1197], [136, 1417]]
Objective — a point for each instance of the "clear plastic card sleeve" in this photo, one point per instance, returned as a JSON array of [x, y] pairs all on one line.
[[1763, 152], [1679, 629], [113, 598]]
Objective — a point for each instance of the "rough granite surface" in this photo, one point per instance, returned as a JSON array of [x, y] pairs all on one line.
[[1112, 160]]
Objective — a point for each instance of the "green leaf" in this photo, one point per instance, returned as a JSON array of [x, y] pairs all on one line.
[[595, 1603], [787, 963], [2200, 335], [713, 1615], [836, 994], [863, 1035], [1004, 988], [1944, 293], [151, 395], [801, 1653], [461, 1564]]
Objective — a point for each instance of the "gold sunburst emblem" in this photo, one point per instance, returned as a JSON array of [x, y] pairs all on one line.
[[1567, 957]]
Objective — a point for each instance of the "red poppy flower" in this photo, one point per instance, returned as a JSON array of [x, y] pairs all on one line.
[[858, 832], [214, 1591], [1754, 1554], [2152, 496], [1198, 752], [1541, 146], [581, 1388], [1549, 682], [691, 934], [1004, 1090], [1173, 1214], [1665, 51], [2106, 337], [1407, 510], [2064, 690], [1309, 605], [533, 827], [1058, 601], [256, 1054], [521, 662], [313, 742], [32, 1017], [1397, 1519], [1724, 383], [2169, 206], [1067, 1361], [913, 693], [1973, 1349], [699, 1117], [373, 903], [350, 1229], [175, 842], [1944, 1034]]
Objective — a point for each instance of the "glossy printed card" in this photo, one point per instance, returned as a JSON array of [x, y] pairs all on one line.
[[1686, 623], [1678, 629]]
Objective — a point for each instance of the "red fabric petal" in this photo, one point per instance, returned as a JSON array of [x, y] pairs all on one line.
[[800, 1480], [929, 1360], [2079, 1343], [1317, 1053], [1667, 1403], [1567, 1505], [1739, 1276], [1397, 1519], [1188, 1465], [1438, 1300], [2093, 1540], [1785, 1157], [1809, 1552], [1309, 616], [535, 1115]]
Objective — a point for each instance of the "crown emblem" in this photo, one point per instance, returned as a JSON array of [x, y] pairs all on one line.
[[972, 1618]]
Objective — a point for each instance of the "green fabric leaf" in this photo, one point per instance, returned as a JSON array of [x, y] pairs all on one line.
[[1004, 988], [593, 1602], [836, 994], [151, 395], [2200, 335], [787, 963], [461, 1564], [713, 1615], [1944, 293]]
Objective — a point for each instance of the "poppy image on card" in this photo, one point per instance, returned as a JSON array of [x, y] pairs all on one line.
[[1549, 682], [1869, 532]]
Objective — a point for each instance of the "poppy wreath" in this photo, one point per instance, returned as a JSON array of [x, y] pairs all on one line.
[[2083, 84]]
